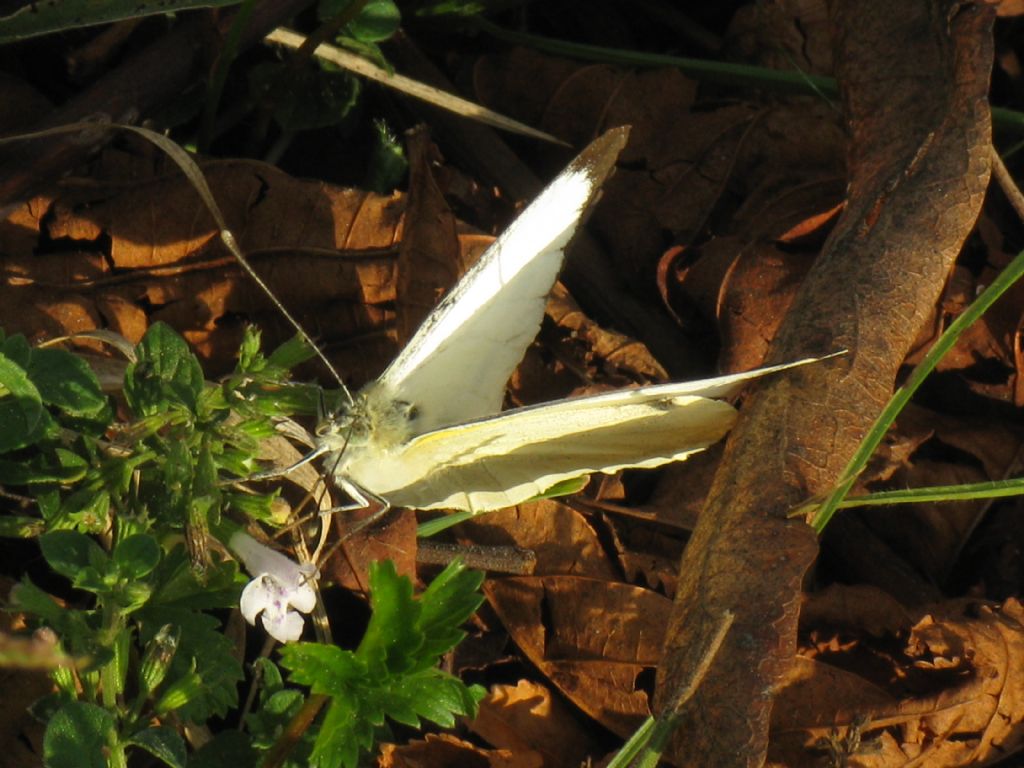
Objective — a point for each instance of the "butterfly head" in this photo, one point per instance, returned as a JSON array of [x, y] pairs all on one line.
[[371, 418]]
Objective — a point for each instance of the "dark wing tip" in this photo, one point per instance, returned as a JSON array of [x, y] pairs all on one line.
[[599, 157]]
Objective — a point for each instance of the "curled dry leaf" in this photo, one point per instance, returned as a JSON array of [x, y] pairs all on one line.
[[944, 690], [440, 750]]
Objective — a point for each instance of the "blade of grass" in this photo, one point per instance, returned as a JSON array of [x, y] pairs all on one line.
[[992, 489], [1013, 272], [646, 746]]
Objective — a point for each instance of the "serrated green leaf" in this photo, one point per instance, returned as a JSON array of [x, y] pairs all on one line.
[[78, 736], [342, 736], [166, 373], [163, 743], [66, 382], [452, 597], [392, 675], [324, 668], [392, 638], [432, 694], [21, 407], [70, 552]]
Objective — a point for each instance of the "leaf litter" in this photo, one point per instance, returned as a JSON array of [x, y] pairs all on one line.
[[715, 218]]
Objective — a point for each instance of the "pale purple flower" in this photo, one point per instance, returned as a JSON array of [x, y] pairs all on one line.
[[279, 585]]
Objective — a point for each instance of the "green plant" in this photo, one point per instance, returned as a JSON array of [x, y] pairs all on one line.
[[135, 504]]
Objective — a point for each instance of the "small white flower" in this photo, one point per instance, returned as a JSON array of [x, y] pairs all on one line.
[[279, 585]]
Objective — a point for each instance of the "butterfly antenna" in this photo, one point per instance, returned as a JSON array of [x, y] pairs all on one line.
[[232, 245]]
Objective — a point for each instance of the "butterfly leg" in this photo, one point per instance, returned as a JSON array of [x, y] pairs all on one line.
[[270, 474], [361, 499]]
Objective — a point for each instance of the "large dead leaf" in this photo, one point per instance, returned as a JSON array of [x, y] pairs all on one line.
[[918, 169]]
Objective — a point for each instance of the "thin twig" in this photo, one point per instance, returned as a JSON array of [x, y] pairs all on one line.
[[1007, 184]]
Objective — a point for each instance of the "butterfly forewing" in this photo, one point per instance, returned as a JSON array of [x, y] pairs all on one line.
[[456, 366]]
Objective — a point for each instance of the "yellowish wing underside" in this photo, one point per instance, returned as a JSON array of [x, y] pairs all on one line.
[[512, 457]]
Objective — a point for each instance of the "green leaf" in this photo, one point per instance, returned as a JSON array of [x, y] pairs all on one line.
[[21, 407], [392, 637], [176, 587], [59, 466], [324, 668], [307, 99], [228, 749], [266, 724], [452, 597], [204, 647], [388, 164], [66, 382], [136, 556], [17, 349], [163, 743], [290, 354], [174, 489], [20, 527], [78, 736], [27, 597], [87, 509], [166, 372], [376, 22], [36, 19], [432, 694], [342, 735], [250, 358], [71, 552]]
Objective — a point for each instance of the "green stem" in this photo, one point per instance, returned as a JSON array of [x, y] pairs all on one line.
[[718, 72]]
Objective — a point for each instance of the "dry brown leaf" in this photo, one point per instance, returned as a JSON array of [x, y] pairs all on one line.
[[786, 34], [150, 248], [393, 538], [526, 719], [443, 750], [429, 258], [931, 536], [951, 696], [562, 539], [591, 638]]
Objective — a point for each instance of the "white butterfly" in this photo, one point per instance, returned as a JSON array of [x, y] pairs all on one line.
[[429, 434]]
